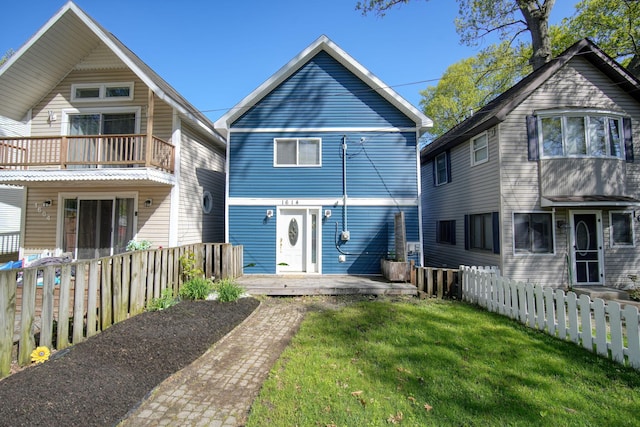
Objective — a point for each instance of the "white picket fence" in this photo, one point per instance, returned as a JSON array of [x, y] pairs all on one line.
[[602, 327]]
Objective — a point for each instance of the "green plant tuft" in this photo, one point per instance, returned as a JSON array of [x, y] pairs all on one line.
[[197, 288], [189, 267], [138, 246], [166, 300], [228, 290]]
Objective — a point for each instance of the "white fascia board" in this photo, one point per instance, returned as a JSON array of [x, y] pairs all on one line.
[[336, 202], [323, 43]]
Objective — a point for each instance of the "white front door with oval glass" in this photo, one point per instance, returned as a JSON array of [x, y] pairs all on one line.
[[297, 242], [586, 248]]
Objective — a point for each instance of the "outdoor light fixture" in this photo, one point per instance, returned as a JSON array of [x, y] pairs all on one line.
[[269, 213], [327, 213], [148, 203], [46, 203]]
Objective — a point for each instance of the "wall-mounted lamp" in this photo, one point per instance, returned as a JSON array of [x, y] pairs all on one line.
[[327, 213], [269, 213], [52, 116], [46, 203], [561, 224], [148, 203]]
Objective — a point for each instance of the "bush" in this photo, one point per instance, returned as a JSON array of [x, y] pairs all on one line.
[[196, 289], [228, 290], [189, 266], [166, 300]]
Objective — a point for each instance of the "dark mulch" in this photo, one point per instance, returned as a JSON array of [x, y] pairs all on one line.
[[97, 382]]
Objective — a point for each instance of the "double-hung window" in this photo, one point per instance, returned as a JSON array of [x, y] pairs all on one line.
[[446, 232], [303, 152], [533, 233], [621, 228], [481, 231], [574, 134], [479, 150], [441, 168]]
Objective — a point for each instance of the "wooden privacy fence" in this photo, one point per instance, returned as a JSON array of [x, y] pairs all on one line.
[[437, 282], [605, 328], [67, 303]]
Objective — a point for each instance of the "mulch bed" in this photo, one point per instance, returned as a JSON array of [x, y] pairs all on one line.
[[97, 382]]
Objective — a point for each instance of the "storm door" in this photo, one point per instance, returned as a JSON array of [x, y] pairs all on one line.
[[586, 235]]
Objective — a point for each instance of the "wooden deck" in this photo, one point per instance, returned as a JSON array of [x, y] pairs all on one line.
[[290, 285]]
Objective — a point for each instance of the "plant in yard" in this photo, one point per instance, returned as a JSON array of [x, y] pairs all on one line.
[[40, 354], [188, 264], [228, 290], [634, 291], [166, 300], [133, 245], [197, 288]]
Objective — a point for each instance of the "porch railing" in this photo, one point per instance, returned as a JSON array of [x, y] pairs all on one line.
[[86, 151]]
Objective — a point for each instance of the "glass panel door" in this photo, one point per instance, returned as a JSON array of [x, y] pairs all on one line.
[[83, 150], [586, 249], [95, 221]]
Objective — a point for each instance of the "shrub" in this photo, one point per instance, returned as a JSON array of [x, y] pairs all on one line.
[[228, 290], [166, 300], [196, 289], [188, 265]]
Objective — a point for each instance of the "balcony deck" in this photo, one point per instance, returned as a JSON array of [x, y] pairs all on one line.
[[86, 151]]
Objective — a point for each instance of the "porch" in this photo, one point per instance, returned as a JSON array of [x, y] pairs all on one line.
[[86, 151], [288, 285]]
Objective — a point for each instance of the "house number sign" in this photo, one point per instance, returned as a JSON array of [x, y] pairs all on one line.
[[290, 202]]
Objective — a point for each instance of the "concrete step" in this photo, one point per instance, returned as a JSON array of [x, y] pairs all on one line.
[[602, 292]]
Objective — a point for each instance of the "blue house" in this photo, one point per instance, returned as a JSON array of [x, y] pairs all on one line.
[[320, 158]]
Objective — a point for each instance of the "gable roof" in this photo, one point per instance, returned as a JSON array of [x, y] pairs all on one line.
[[40, 64], [323, 43], [498, 109]]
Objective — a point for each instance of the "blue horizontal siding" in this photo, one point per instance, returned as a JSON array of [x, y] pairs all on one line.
[[248, 226], [384, 166], [323, 93], [371, 228]]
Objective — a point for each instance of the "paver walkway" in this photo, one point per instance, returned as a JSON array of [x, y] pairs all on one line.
[[218, 388]]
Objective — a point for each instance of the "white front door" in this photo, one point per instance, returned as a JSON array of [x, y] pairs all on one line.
[[586, 250], [297, 241]]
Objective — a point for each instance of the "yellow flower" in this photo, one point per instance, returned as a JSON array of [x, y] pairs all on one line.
[[40, 354]]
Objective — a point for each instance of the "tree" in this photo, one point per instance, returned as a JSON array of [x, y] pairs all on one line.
[[479, 18], [6, 56], [469, 84]]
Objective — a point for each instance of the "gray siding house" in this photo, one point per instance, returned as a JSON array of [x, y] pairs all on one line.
[[542, 182]]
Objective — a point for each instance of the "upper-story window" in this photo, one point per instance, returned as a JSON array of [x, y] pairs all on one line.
[[102, 92], [441, 169], [479, 150], [297, 152], [577, 134]]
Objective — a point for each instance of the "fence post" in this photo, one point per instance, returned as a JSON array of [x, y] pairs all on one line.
[[8, 288]]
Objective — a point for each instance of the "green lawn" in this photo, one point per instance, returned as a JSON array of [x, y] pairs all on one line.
[[419, 363]]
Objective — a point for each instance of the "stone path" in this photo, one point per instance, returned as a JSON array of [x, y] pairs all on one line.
[[218, 388]]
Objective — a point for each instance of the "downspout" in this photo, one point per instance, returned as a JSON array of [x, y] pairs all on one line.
[[344, 183]]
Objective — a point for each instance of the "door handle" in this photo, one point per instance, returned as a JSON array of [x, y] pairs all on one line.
[[281, 245]]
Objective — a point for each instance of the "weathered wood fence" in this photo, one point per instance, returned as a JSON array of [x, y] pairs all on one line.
[[68, 303], [605, 328], [437, 282]]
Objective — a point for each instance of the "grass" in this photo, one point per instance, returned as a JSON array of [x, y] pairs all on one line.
[[420, 363]]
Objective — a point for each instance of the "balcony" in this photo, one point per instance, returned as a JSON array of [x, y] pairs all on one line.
[[86, 151]]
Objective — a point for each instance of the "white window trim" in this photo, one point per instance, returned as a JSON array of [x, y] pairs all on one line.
[[474, 151], [435, 160], [275, 152], [563, 114], [633, 231], [102, 88], [528, 254]]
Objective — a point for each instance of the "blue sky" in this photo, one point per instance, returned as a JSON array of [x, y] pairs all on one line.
[[216, 52]]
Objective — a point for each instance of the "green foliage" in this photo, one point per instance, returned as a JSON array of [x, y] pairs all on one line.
[[198, 288], [438, 364], [228, 290], [6, 56], [190, 270], [166, 300], [138, 246]]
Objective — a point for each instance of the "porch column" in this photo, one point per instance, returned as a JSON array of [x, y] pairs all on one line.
[[150, 112]]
